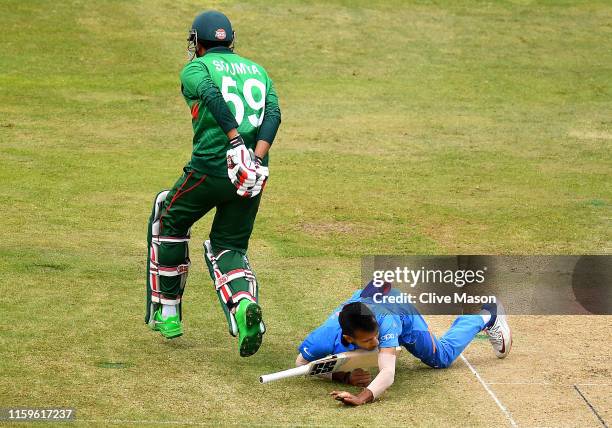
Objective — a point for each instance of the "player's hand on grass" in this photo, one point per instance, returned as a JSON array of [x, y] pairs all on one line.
[[349, 399], [359, 377], [346, 398], [241, 168]]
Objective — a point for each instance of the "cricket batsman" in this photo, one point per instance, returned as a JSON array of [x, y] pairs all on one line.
[[362, 324], [235, 117]]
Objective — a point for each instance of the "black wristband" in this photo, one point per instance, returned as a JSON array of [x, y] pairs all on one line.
[[236, 141]]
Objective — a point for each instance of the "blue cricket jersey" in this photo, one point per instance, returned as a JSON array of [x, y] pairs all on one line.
[[395, 327]]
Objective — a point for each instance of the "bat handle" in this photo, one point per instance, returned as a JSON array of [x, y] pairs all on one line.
[[297, 371]]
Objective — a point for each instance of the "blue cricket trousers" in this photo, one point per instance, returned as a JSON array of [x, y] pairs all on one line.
[[440, 353]]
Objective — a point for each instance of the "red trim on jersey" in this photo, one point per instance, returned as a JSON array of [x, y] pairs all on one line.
[[195, 110]]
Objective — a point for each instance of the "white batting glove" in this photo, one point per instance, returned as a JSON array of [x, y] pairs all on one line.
[[262, 173], [241, 168]]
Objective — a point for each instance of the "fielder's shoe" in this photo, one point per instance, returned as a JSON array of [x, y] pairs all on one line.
[[170, 327], [498, 329], [250, 327]]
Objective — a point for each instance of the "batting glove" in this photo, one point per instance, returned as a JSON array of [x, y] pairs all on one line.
[[241, 165], [261, 174]]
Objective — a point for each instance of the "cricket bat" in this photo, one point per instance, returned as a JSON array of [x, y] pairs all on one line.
[[344, 362]]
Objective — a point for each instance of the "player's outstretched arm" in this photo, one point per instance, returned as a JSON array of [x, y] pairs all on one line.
[[385, 378]]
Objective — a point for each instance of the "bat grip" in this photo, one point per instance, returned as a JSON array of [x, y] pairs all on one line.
[[297, 371]]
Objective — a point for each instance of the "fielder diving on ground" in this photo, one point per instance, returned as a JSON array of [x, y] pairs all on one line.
[[235, 117], [359, 323]]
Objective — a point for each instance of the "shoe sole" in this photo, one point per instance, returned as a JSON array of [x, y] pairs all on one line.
[[508, 346], [250, 345], [253, 338], [253, 315], [172, 335]]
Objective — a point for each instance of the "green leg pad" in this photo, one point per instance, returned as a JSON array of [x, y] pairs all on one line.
[[227, 261]]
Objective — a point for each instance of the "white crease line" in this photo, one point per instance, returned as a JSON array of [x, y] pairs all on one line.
[[549, 383], [491, 393], [520, 383]]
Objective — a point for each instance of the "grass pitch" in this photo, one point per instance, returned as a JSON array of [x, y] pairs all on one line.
[[408, 128]]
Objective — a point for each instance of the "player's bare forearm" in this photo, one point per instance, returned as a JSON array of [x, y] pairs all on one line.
[[384, 379], [262, 148], [386, 374]]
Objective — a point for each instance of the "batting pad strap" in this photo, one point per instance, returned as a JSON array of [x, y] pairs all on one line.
[[228, 277], [221, 254], [181, 269], [232, 300], [158, 239], [159, 298], [242, 295]]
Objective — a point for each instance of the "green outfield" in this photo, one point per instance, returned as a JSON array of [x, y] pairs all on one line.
[[426, 127]]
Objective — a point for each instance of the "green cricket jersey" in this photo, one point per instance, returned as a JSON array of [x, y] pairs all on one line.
[[248, 92]]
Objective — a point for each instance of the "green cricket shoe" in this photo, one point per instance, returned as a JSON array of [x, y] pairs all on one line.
[[170, 327], [248, 319]]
